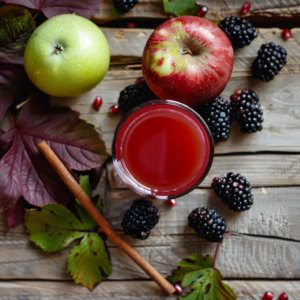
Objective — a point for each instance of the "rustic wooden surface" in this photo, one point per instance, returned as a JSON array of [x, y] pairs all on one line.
[[263, 252], [217, 10]]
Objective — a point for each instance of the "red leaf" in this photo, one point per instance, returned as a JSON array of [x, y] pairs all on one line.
[[51, 8], [15, 215], [23, 169]]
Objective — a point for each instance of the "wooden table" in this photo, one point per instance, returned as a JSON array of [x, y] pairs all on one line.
[[263, 252]]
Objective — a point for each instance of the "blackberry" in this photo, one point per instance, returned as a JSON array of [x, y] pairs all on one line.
[[234, 190], [124, 6], [207, 223], [134, 95], [239, 31], [140, 219], [246, 110], [269, 62], [217, 116]]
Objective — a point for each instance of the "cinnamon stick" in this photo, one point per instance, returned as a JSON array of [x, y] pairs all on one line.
[[79, 193]]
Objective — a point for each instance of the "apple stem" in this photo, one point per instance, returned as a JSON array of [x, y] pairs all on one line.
[[187, 51], [57, 49]]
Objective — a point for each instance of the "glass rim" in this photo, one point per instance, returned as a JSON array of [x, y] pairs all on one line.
[[129, 182]]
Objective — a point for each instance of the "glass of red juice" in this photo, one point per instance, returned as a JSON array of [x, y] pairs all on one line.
[[162, 149]]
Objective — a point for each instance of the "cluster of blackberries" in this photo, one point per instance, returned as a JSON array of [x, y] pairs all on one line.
[[270, 60], [124, 6], [234, 190], [246, 110], [134, 95], [207, 223], [140, 219], [217, 116], [239, 31]]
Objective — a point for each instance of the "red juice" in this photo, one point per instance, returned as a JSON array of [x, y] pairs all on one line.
[[162, 149]]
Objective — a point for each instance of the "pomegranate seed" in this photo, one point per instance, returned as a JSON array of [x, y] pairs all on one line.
[[286, 34], [202, 11], [114, 109], [178, 288], [140, 80], [131, 25], [97, 103], [268, 296], [238, 92], [171, 202], [283, 296], [245, 8], [233, 97]]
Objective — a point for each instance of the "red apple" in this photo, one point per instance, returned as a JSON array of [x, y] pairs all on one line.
[[188, 59]]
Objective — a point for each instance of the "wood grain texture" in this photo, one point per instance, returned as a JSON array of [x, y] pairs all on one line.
[[134, 290], [217, 10], [260, 170], [240, 256], [273, 214], [279, 98]]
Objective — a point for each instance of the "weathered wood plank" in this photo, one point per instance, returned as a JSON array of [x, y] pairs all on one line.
[[240, 256], [217, 10], [123, 290], [273, 214], [279, 98], [261, 170]]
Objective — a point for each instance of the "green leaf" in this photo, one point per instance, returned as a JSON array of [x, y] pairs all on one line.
[[181, 7], [16, 26], [207, 281], [87, 221], [114, 12], [89, 260], [53, 227]]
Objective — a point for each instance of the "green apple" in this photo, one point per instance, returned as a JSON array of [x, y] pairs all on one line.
[[66, 56]]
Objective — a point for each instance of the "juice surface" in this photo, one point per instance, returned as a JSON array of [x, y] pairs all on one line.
[[164, 148]]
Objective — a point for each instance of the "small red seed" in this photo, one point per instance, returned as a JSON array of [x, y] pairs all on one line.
[[114, 109], [245, 8], [97, 103], [233, 97], [286, 34], [283, 296], [171, 202], [131, 25], [268, 296], [202, 11], [140, 80], [178, 288]]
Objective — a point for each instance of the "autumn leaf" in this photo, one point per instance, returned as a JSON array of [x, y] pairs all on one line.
[[16, 26], [15, 215], [181, 8], [206, 281], [51, 8], [88, 259], [23, 169], [54, 227]]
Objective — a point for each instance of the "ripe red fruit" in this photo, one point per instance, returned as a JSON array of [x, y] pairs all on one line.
[[286, 34], [245, 8], [178, 288], [268, 296], [171, 202], [186, 51], [97, 103], [114, 109], [283, 296], [139, 80], [202, 11], [131, 25]]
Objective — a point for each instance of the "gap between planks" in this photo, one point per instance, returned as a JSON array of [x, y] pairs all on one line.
[[121, 290]]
